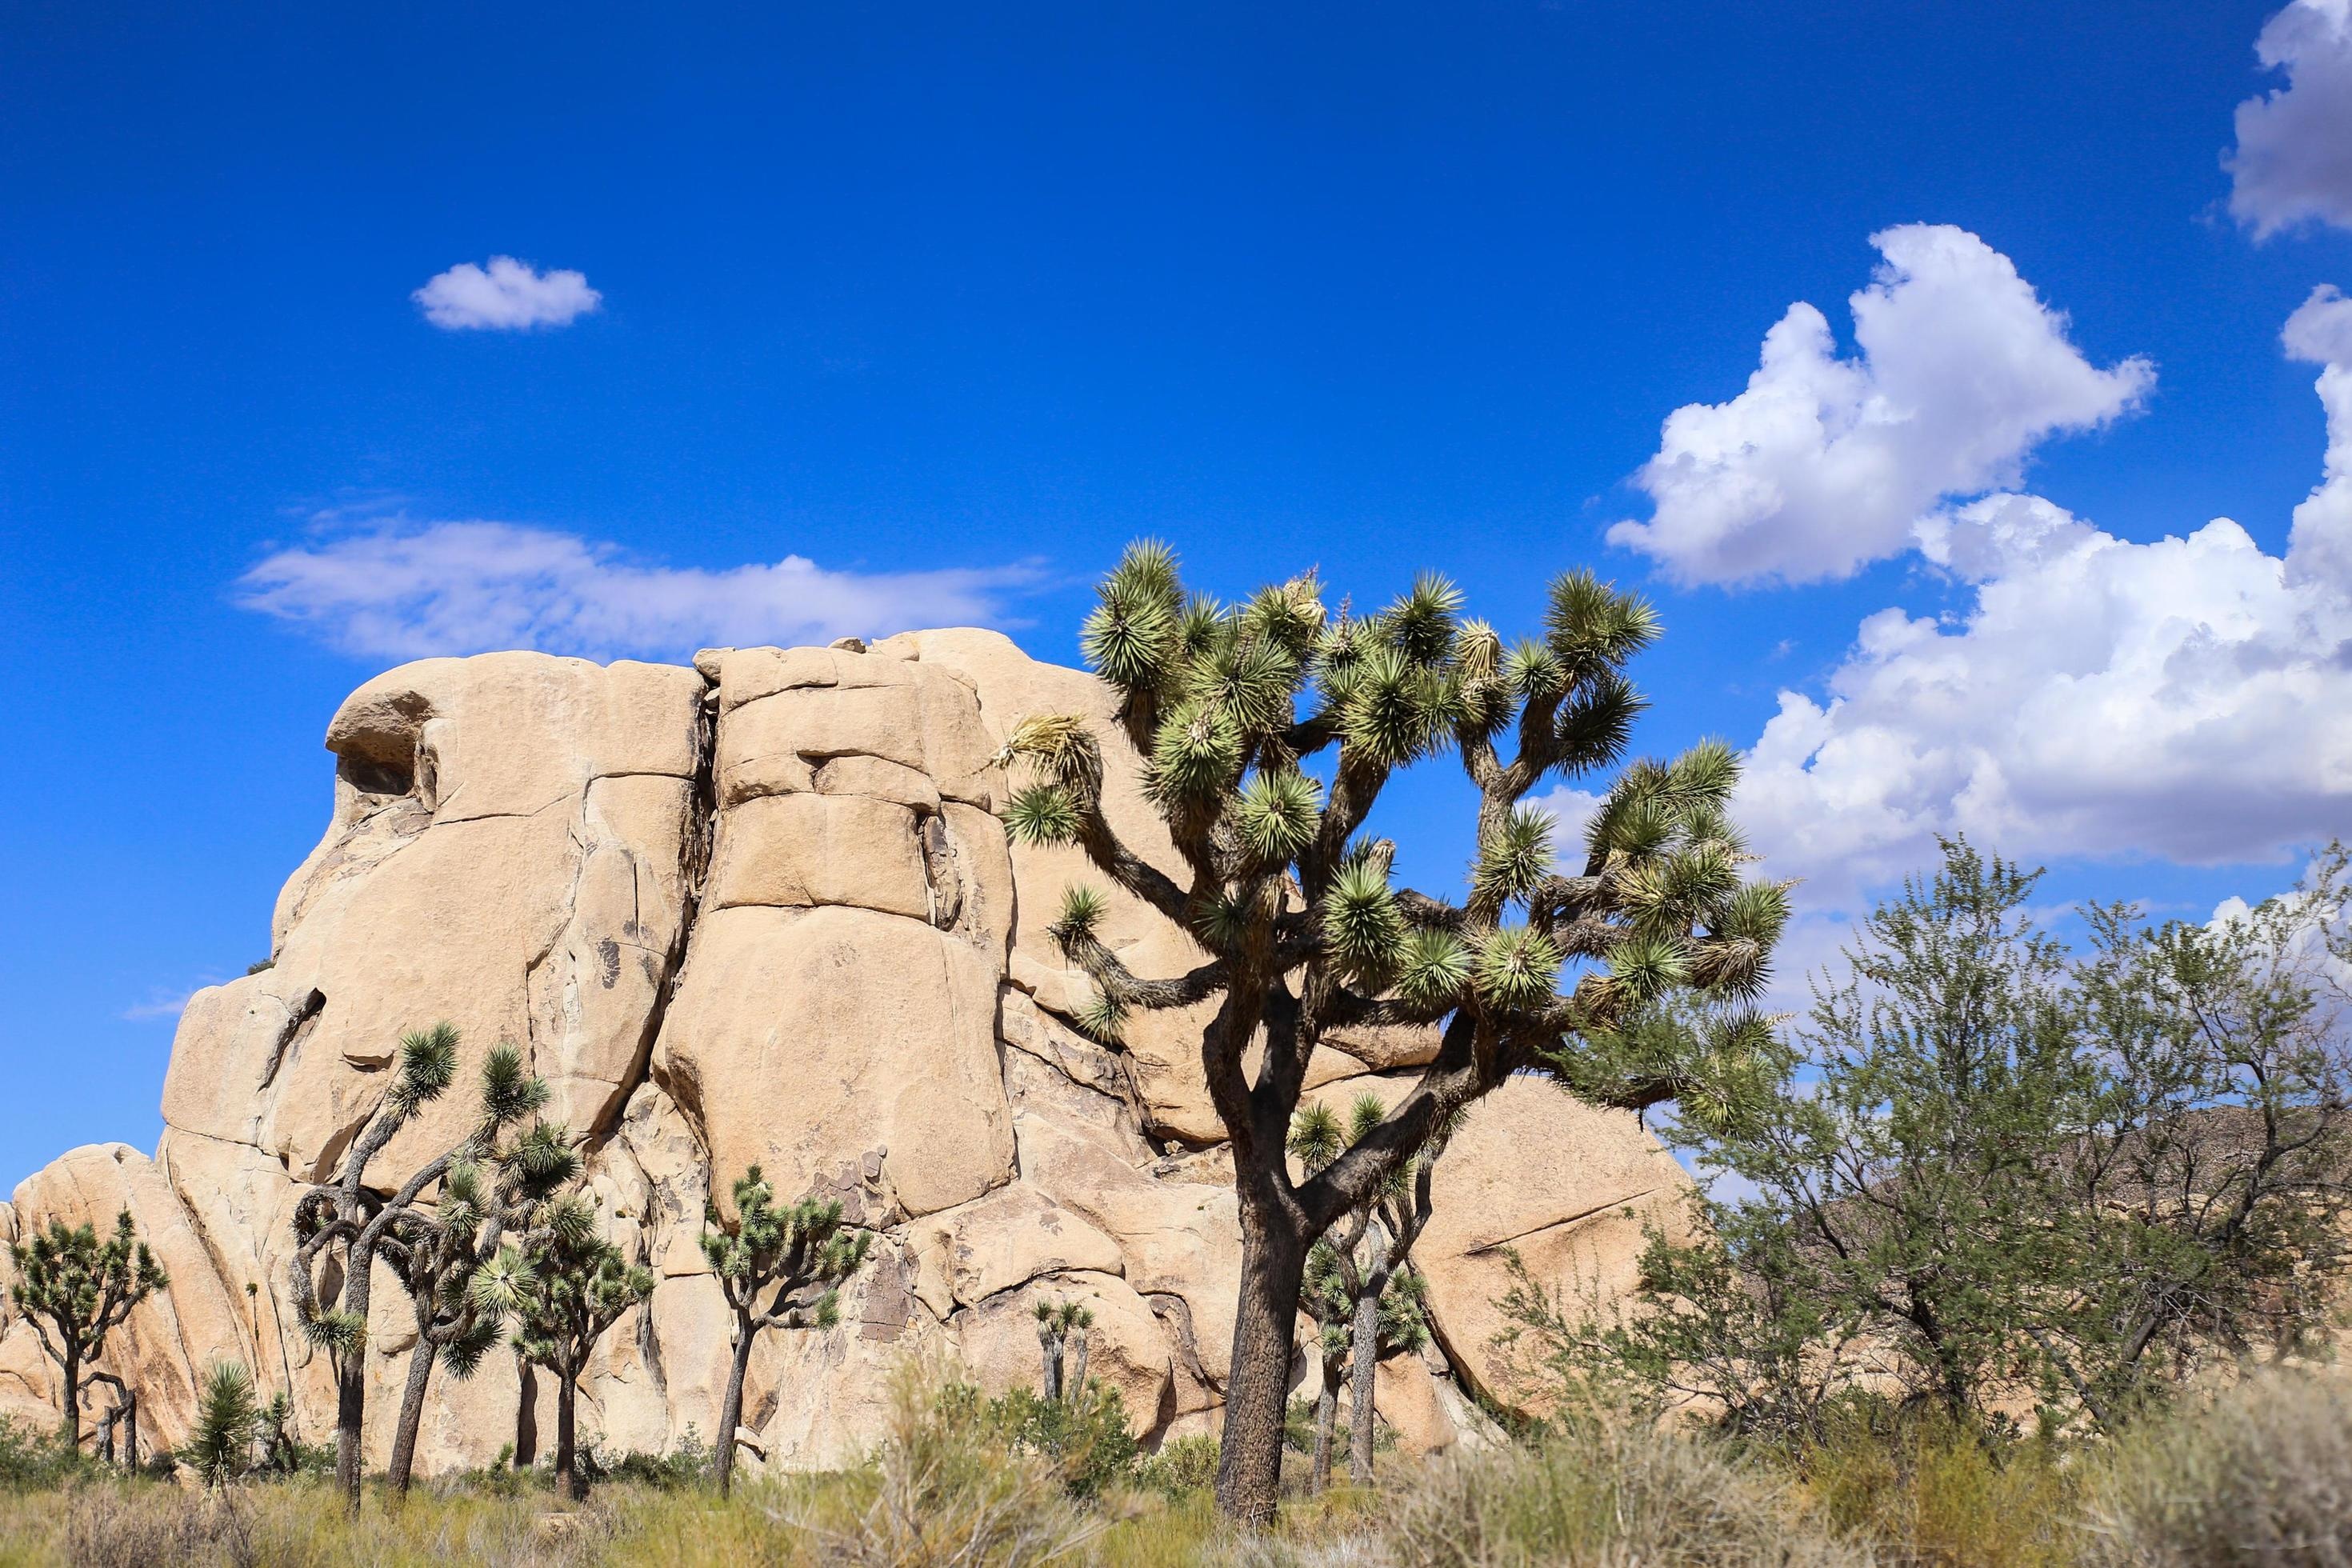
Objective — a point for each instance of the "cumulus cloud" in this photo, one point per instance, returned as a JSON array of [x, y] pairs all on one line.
[[407, 591], [507, 296], [2293, 162], [2320, 332], [1825, 463], [2190, 697]]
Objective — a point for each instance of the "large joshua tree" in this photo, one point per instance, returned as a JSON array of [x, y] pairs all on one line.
[[1268, 730], [780, 1268], [562, 1287], [343, 1226], [76, 1289]]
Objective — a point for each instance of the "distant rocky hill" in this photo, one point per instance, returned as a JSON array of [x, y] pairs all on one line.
[[763, 910]]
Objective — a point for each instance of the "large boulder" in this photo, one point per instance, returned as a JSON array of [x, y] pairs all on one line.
[[764, 910]]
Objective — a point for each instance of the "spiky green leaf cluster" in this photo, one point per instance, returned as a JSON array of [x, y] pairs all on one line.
[[220, 1445], [1362, 923], [428, 1062], [1517, 967]]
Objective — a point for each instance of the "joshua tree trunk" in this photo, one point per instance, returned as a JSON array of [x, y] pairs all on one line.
[[1249, 1467], [567, 1459], [71, 1400], [129, 1430], [411, 1415], [1327, 1417], [351, 1379], [1049, 1349], [526, 1443], [1075, 1388], [1360, 1393], [731, 1408]]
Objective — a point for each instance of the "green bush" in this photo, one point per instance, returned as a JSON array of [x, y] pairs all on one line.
[[686, 1465], [1086, 1442], [2263, 1476], [30, 1460], [1183, 1465]]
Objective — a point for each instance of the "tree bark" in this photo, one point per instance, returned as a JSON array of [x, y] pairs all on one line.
[[526, 1443], [567, 1459], [1249, 1467], [1327, 1417], [731, 1408], [411, 1415], [1366, 1333], [129, 1429], [71, 1401], [1049, 1348], [351, 1381], [1074, 1389]]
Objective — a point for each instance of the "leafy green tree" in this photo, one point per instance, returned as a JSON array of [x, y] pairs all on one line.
[[2015, 1178], [341, 1228], [2214, 1160], [220, 1447], [1270, 730], [75, 1289], [561, 1287], [779, 1268]]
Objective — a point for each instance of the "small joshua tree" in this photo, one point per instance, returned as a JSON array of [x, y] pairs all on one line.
[[1061, 1329], [1268, 730], [562, 1288], [76, 1289], [1356, 1283], [341, 1227], [795, 1257]]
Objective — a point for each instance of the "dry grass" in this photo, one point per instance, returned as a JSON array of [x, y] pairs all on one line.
[[2264, 1477]]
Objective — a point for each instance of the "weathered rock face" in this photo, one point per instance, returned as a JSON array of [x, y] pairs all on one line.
[[762, 910]]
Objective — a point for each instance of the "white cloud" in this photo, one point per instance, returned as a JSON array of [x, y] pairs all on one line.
[[2189, 697], [2292, 164], [1825, 463], [404, 591], [507, 296], [2320, 332]]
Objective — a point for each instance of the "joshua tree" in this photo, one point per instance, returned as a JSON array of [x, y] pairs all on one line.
[[343, 1226], [1303, 931], [564, 1286], [75, 1289], [1061, 1327], [796, 1258], [1399, 1324], [437, 1255], [1362, 1279]]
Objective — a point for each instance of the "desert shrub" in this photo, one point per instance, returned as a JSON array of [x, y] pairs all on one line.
[[1609, 1496], [1926, 1489], [2262, 1476], [945, 1487], [34, 1460], [1085, 1440], [1183, 1465], [686, 1465]]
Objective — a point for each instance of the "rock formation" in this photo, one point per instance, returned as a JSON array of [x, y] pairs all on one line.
[[763, 910]]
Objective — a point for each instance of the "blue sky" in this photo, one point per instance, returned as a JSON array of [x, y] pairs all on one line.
[[945, 304]]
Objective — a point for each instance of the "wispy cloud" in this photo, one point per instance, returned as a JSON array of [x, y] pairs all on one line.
[[507, 296], [404, 590], [161, 1003]]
